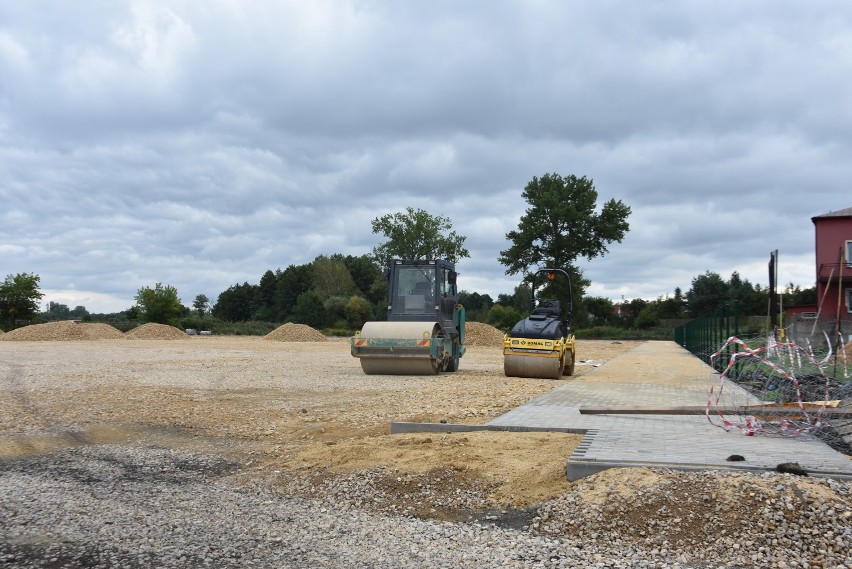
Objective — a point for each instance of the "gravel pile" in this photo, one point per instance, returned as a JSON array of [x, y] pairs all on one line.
[[729, 519], [296, 333], [64, 330], [481, 334], [154, 331]]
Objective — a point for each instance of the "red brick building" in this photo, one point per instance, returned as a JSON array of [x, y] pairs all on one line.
[[834, 262], [833, 312]]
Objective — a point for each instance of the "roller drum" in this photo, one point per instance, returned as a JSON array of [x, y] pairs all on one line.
[[400, 361], [533, 366]]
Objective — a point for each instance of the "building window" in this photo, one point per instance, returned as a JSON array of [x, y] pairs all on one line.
[[849, 253], [849, 300]]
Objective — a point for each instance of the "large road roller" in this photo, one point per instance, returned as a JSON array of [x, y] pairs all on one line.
[[424, 332], [541, 345]]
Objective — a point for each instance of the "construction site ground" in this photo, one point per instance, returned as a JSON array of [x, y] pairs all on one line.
[[292, 414]]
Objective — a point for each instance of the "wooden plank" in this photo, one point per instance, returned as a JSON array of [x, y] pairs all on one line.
[[701, 410]]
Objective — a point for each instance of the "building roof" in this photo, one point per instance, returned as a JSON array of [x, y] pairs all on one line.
[[839, 213]]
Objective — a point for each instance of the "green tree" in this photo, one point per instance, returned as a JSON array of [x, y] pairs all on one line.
[[794, 295], [309, 310], [159, 304], [80, 312], [57, 311], [201, 304], [648, 316], [19, 299], [597, 311], [416, 234], [132, 313], [475, 305], [367, 276], [503, 317], [562, 225], [631, 309], [752, 300], [330, 277], [673, 306], [708, 292], [236, 304], [292, 282], [357, 311], [264, 302]]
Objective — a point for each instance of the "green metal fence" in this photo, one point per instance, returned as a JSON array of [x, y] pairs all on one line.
[[707, 334]]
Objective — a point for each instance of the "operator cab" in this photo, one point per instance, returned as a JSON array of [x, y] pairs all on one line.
[[423, 288]]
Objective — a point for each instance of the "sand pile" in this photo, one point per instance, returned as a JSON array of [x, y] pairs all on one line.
[[154, 331], [101, 331], [481, 334], [63, 330], [296, 333]]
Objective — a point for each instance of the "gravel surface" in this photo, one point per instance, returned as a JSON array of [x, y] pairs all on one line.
[[195, 454]]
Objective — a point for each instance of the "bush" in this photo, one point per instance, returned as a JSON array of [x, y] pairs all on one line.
[[338, 332]]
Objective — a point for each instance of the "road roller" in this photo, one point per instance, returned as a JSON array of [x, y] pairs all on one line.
[[424, 331], [541, 345]]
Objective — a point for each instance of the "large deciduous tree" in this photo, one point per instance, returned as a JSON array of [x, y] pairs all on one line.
[[201, 304], [331, 277], [19, 299], [562, 224], [416, 234], [159, 304]]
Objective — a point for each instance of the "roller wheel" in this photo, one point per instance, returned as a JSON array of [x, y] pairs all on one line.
[[569, 363], [528, 366], [452, 364]]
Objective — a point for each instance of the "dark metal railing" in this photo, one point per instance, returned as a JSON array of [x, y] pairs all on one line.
[[706, 335]]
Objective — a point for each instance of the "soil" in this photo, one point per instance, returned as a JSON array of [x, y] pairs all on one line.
[[284, 406]]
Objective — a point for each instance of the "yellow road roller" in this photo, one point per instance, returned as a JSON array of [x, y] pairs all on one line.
[[541, 345], [424, 332]]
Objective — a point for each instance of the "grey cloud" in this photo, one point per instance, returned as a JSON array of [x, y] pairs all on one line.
[[201, 144]]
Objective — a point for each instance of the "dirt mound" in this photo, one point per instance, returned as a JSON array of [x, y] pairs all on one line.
[[481, 334], [154, 331], [296, 333], [101, 331], [63, 330]]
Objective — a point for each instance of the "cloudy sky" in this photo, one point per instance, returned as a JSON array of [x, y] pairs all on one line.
[[200, 143]]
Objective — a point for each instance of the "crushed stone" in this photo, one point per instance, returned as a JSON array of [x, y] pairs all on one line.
[[154, 331], [481, 334], [63, 330], [291, 332]]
